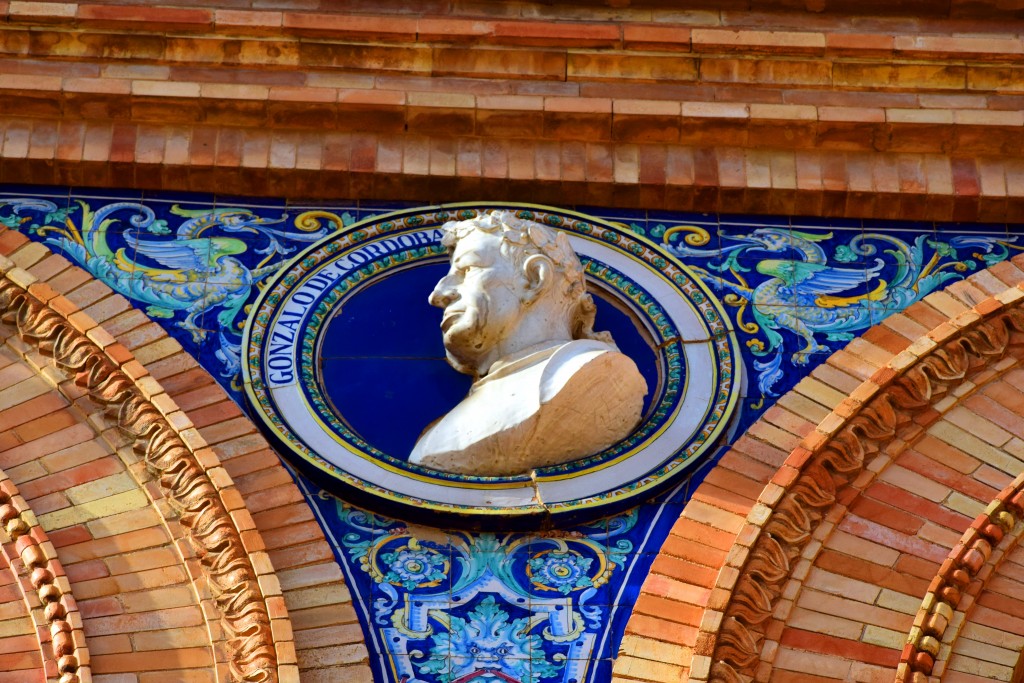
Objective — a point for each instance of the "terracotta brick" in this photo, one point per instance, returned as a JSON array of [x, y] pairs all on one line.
[[41, 10], [865, 570], [19, 661], [783, 111], [932, 77], [43, 426], [383, 28], [573, 125], [248, 19], [961, 46], [166, 17], [660, 629], [453, 29], [994, 78], [29, 410], [71, 477], [852, 609], [747, 41], [498, 63], [994, 617], [583, 65], [654, 36], [775, 71], [370, 58], [318, 617], [62, 439], [859, 44], [692, 532], [219, 412], [667, 609], [943, 473], [555, 34], [824, 644], [886, 515], [144, 661]]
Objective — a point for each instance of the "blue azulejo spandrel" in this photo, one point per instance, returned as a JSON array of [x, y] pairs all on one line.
[[344, 365], [193, 268], [489, 607], [797, 295]]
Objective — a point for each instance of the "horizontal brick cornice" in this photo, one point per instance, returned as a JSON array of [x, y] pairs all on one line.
[[319, 164], [495, 19], [713, 110], [967, 132]]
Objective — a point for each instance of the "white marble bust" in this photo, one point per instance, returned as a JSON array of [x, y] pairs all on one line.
[[547, 389]]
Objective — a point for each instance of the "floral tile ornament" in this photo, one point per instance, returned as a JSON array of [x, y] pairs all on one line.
[[463, 606]]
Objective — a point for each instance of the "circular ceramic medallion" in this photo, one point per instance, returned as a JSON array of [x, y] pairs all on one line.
[[344, 366]]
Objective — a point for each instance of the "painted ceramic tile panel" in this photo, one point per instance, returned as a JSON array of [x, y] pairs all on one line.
[[439, 605]]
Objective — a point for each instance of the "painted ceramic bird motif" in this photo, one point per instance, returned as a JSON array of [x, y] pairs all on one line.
[[821, 298], [800, 297], [188, 272], [196, 275]]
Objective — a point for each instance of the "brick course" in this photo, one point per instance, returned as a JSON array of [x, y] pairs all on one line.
[[885, 102]]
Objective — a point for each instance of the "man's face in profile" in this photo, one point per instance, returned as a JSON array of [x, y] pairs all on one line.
[[482, 296]]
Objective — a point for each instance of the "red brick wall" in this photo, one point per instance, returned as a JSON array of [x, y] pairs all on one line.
[[719, 108]]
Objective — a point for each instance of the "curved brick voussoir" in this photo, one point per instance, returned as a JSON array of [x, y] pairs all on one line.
[[754, 526], [995, 529], [62, 645], [189, 473], [910, 391]]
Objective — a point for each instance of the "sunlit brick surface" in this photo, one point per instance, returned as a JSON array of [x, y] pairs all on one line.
[[851, 597], [764, 109]]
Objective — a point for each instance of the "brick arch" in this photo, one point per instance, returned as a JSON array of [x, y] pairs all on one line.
[[86, 501], [40, 631], [210, 475], [899, 525], [147, 505], [810, 510], [976, 593], [693, 587]]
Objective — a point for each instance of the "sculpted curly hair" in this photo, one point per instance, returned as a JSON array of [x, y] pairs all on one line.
[[523, 239]]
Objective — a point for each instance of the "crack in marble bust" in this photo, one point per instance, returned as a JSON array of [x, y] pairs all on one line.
[[547, 388]]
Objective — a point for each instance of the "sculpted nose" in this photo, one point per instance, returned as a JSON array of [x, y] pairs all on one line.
[[444, 293]]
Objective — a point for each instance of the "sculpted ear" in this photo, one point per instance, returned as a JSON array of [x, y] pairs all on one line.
[[539, 271]]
